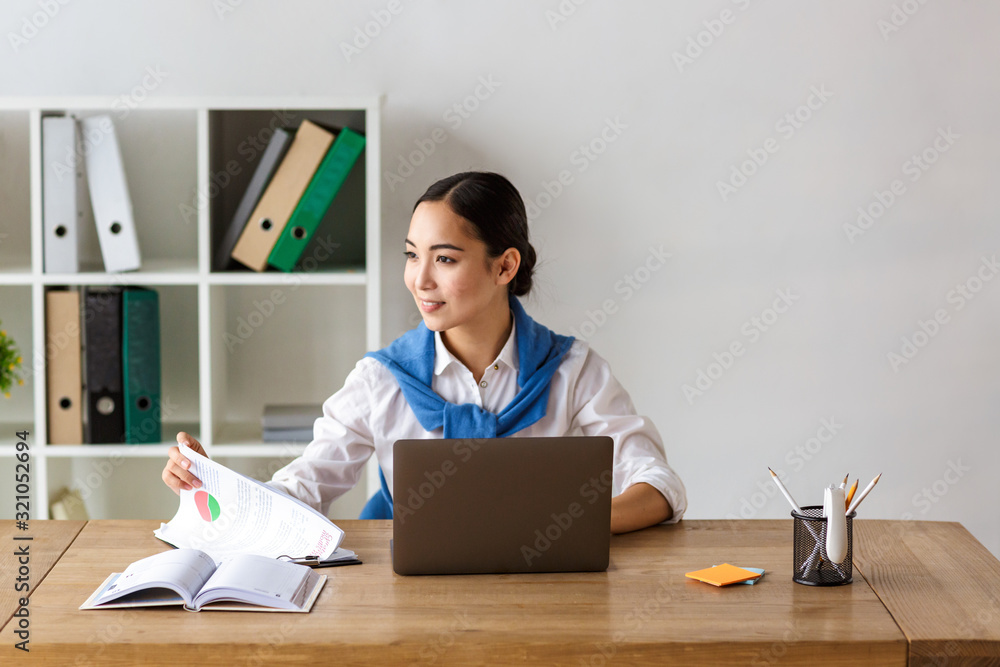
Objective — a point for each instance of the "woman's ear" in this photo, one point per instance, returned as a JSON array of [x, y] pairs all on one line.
[[506, 266]]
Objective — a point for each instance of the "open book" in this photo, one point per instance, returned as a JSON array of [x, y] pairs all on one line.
[[191, 578], [234, 514]]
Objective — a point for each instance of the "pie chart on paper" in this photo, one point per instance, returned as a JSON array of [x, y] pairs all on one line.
[[207, 505]]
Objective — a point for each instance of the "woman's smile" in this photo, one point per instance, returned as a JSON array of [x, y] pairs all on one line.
[[430, 306]]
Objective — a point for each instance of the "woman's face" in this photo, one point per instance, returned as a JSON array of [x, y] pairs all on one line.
[[448, 272]]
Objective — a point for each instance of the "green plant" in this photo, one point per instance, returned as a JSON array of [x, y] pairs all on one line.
[[10, 363]]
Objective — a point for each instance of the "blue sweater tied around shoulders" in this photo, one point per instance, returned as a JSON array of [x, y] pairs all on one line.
[[410, 358]]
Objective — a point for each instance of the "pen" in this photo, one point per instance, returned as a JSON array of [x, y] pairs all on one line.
[[333, 563], [784, 491], [313, 561], [861, 496]]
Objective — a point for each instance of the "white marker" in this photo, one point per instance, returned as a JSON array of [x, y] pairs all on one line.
[[836, 524]]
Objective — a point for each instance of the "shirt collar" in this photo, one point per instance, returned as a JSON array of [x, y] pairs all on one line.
[[444, 358]]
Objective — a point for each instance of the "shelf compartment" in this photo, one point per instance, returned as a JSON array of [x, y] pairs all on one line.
[[237, 138], [278, 345], [179, 360], [159, 152]]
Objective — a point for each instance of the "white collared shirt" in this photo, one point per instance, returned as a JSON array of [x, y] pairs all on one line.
[[370, 413]]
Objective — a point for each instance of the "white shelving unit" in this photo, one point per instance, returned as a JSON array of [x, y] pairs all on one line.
[[231, 342]]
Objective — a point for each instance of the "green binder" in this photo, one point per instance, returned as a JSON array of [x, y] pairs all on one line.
[[323, 187], [141, 365]]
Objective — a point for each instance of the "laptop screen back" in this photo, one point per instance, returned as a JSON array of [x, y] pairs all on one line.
[[502, 505]]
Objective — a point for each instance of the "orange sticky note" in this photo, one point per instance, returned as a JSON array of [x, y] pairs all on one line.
[[722, 575]]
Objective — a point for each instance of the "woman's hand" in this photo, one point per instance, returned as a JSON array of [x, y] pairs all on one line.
[[175, 473]]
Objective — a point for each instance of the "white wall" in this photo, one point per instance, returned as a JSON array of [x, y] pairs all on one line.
[[681, 130]]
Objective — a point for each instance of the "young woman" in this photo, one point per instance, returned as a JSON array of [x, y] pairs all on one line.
[[477, 366]]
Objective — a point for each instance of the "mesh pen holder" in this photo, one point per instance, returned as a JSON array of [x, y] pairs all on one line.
[[809, 562]]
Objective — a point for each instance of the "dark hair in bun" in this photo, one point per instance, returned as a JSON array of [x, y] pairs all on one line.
[[495, 210]]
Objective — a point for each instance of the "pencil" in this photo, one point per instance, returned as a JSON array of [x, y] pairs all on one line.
[[850, 493], [861, 496], [784, 492]]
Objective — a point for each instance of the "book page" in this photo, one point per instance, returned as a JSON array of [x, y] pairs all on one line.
[[259, 580], [182, 570], [231, 513]]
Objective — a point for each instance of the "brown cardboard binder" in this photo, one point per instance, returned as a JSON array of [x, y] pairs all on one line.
[[282, 194], [62, 367]]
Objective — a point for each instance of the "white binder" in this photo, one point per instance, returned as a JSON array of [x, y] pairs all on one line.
[[109, 195], [63, 196]]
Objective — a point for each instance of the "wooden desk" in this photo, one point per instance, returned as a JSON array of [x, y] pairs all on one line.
[[642, 610], [940, 585], [49, 539]]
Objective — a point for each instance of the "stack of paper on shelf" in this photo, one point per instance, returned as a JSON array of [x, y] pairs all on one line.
[[289, 423]]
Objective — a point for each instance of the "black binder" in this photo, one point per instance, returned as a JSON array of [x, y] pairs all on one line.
[[102, 327]]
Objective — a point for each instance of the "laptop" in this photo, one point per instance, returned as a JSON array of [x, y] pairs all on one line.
[[502, 505]]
